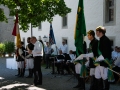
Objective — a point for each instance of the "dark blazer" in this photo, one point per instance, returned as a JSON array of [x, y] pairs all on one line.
[[93, 47], [106, 49]]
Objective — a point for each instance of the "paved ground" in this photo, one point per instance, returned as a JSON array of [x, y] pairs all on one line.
[[8, 81]]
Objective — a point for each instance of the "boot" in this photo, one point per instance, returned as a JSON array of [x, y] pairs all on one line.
[[79, 82], [107, 85], [99, 84], [92, 83], [18, 72], [82, 87], [29, 74], [21, 73]]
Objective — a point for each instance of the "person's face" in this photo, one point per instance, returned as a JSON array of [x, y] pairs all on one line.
[[28, 40], [116, 49], [70, 52], [89, 37], [47, 43], [98, 33], [32, 40], [60, 52], [63, 43]]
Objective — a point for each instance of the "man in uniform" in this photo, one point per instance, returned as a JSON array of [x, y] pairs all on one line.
[[104, 51], [29, 58], [21, 59], [78, 66], [92, 49]]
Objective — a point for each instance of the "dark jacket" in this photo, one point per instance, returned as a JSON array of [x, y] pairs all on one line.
[[105, 48], [30, 46], [93, 47], [23, 54]]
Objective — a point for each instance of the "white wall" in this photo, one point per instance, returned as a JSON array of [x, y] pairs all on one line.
[[93, 15]]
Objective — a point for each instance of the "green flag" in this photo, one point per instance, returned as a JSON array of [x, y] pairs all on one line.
[[80, 29]]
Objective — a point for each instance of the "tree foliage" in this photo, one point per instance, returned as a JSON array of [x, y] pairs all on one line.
[[34, 11]]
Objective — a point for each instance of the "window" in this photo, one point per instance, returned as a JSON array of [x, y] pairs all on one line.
[[64, 22], [109, 11], [40, 26], [39, 37]]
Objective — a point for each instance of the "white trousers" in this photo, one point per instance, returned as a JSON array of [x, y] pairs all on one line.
[[92, 71], [29, 63], [20, 64], [78, 68], [101, 72]]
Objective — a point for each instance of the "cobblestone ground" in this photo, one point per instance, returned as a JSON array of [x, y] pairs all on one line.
[[8, 80]]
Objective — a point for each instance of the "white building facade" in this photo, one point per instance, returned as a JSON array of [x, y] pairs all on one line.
[[97, 13]]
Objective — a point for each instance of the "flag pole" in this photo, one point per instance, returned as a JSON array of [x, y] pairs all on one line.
[[51, 37], [114, 71]]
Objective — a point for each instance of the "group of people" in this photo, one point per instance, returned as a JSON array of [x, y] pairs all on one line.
[[98, 58], [98, 63], [116, 61], [30, 58]]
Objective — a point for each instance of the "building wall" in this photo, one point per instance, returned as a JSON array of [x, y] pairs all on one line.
[[6, 28], [94, 11]]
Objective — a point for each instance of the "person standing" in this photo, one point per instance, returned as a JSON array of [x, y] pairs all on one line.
[[18, 62], [78, 66], [48, 51], [104, 50], [92, 49], [29, 58], [37, 54], [21, 59]]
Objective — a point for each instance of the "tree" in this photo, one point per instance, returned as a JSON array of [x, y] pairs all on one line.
[[34, 11]]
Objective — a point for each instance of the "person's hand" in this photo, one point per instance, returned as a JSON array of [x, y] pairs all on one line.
[[30, 52]]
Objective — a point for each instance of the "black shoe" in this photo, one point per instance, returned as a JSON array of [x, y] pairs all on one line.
[[17, 75], [78, 86], [46, 68], [28, 77], [38, 83], [52, 73], [21, 76], [34, 84]]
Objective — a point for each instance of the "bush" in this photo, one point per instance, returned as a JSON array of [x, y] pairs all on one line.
[[9, 47], [2, 48]]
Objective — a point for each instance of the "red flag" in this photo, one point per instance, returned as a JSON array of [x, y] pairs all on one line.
[[16, 32], [14, 29]]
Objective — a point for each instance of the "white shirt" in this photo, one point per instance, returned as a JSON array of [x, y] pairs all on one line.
[[114, 55], [63, 48], [38, 49], [47, 50], [72, 56], [117, 62]]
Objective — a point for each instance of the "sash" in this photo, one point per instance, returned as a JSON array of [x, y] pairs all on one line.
[[96, 63], [92, 58], [83, 72], [83, 69], [109, 62]]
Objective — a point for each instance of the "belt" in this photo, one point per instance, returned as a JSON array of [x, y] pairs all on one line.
[[37, 56]]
